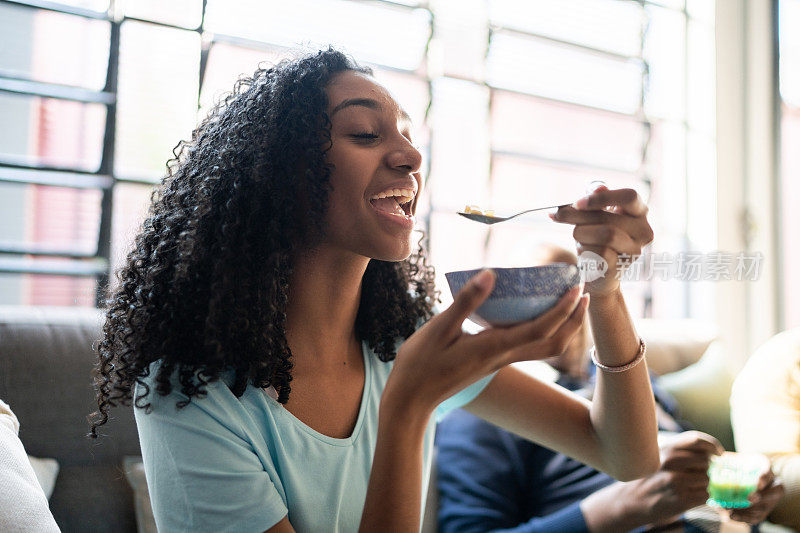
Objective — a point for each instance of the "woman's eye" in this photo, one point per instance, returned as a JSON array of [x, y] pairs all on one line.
[[365, 136]]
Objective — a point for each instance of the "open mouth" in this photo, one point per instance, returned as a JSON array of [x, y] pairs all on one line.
[[394, 202]]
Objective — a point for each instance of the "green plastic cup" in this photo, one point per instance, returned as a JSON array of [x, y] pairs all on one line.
[[733, 477]]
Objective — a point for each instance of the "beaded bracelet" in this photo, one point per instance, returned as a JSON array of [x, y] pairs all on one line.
[[622, 368]]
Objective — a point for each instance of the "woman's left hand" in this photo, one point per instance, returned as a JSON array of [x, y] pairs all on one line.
[[609, 223]]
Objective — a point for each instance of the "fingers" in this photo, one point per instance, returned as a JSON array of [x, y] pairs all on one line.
[[686, 461], [751, 515], [554, 342], [689, 481], [695, 497], [637, 227], [765, 479], [539, 328], [547, 323], [768, 494], [625, 228], [697, 441], [607, 236], [468, 299], [762, 503], [627, 200]]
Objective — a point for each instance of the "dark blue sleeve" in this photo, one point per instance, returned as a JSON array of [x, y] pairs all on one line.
[[567, 520], [484, 482]]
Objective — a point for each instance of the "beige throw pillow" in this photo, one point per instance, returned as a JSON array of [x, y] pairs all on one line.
[[134, 473], [46, 471]]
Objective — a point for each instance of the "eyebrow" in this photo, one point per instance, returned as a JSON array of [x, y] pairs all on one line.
[[369, 103]]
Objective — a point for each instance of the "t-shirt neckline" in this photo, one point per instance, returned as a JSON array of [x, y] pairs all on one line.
[[365, 397]]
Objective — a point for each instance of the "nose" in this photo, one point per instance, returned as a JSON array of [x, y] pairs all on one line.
[[404, 156]]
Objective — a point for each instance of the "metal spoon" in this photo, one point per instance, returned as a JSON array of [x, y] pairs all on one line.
[[491, 219]]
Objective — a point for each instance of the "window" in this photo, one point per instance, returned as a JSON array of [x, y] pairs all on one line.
[[789, 68], [562, 93], [517, 104]]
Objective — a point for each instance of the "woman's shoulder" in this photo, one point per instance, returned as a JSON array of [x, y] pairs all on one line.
[[216, 405]]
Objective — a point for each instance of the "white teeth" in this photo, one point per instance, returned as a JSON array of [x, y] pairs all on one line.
[[403, 195]]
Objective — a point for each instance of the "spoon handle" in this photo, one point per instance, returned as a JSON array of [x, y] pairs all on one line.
[[536, 209]]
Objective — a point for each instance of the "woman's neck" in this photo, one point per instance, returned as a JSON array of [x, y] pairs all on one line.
[[323, 300]]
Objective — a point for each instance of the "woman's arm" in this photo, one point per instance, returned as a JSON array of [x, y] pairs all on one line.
[[623, 409], [616, 433], [432, 365], [558, 419], [394, 493]]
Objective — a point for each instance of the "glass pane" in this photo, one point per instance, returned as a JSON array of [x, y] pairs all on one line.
[[514, 244], [158, 91], [40, 289], [561, 131], [674, 4], [94, 5], [45, 131], [701, 10], [460, 39], [790, 75], [52, 47], [558, 71], [131, 202], [666, 166], [186, 13], [460, 154], [226, 64], [701, 102], [701, 186], [49, 217], [666, 163], [790, 194], [664, 51], [384, 34], [605, 24], [790, 51], [519, 184]]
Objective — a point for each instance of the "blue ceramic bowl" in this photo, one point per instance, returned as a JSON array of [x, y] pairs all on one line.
[[519, 294]]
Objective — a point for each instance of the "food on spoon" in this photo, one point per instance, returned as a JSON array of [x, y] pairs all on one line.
[[476, 210]]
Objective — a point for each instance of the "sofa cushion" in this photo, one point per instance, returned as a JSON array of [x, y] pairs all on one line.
[[702, 392], [134, 473], [93, 499], [46, 363], [46, 471], [673, 345]]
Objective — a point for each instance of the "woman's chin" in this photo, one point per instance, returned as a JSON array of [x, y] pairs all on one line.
[[393, 255]]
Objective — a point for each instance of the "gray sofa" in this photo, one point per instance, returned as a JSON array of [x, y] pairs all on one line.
[[46, 359]]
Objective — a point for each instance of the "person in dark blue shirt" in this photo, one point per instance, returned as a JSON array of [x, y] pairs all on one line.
[[492, 480]]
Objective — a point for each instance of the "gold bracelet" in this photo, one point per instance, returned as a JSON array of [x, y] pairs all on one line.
[[622, 368]]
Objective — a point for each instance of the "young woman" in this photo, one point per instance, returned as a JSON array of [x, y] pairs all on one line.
[[268, 325]]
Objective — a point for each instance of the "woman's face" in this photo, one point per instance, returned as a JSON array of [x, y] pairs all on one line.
[[371, 155]]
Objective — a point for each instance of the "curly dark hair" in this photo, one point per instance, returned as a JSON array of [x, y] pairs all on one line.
[[204, 289]]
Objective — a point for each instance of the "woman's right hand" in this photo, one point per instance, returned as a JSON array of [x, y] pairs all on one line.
[[440, 359]]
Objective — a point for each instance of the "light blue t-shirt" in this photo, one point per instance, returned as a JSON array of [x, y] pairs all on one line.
[[224, 463]]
